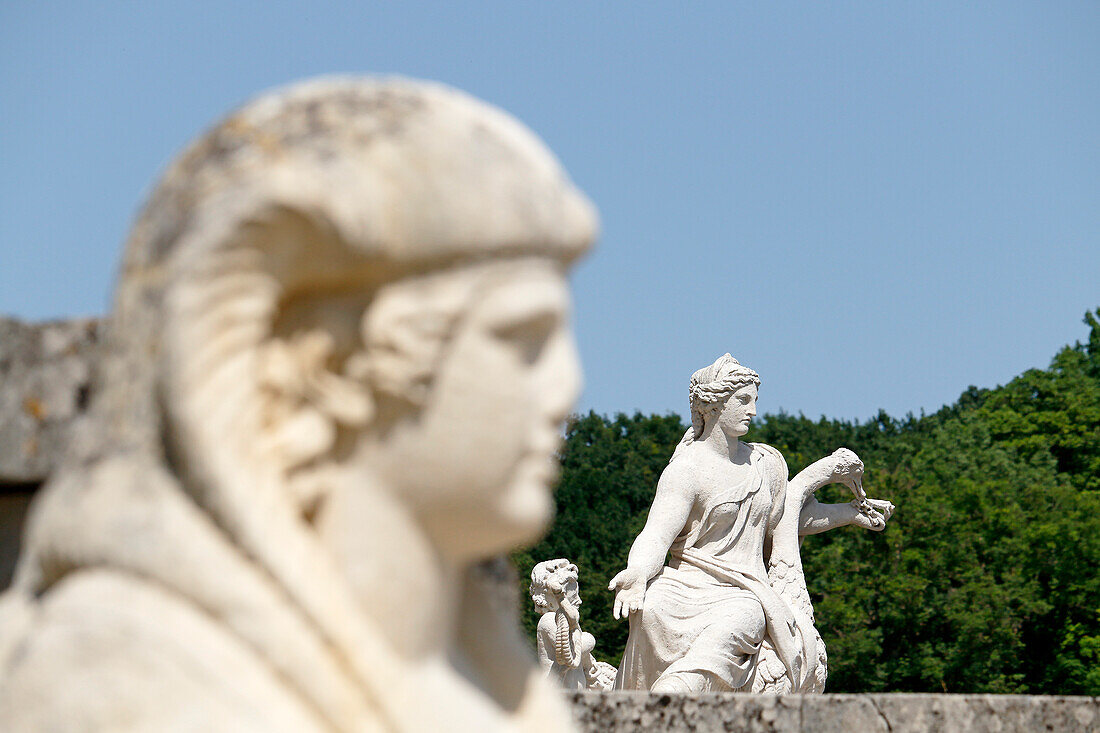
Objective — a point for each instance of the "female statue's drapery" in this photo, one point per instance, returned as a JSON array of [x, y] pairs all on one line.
[[711, 608], [731, 610]]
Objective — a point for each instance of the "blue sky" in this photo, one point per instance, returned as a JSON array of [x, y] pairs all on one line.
[[875, 205]]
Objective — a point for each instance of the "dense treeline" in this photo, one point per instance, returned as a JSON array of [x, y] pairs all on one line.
[[987, 578]]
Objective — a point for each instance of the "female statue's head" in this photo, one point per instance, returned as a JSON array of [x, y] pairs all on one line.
[[357, 282], [711, 389], [553, 580]]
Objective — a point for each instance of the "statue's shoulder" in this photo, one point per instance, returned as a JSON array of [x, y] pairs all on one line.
[[768, 453], [684, 473], [146, 659], [771, 459], [547, 622]]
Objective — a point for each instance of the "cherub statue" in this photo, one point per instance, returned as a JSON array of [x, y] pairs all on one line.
[[564, 651], [731, 610]]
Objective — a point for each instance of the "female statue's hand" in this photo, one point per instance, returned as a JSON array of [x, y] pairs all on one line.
[[630, 592]]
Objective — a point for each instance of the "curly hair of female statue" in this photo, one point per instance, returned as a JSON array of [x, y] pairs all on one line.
[[333, 382], [731, 610]]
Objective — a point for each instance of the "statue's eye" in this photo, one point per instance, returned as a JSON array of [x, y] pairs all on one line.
[[528, 337]]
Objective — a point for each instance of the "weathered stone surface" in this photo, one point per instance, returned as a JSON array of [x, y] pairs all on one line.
[[45, 371], [894, 713], [632, 711]]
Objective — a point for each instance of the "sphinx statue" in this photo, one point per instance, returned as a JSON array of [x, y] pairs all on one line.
[[564, 651], [332, 385], [730, 612]]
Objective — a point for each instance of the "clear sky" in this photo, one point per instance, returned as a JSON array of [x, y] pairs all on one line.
[[872, 204]]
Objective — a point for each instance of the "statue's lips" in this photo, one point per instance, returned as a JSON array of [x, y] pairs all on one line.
[[540, 460], [539, 466]]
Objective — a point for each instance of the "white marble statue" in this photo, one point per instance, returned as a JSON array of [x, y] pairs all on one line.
[[564, 651], [333, 383], [731, 610]]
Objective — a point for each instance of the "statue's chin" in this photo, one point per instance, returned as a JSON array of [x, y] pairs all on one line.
[[522, 512], [525, 512], [477, 531], [737, 431]]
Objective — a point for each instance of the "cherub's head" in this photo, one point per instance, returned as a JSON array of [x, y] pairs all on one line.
[[553, 580]]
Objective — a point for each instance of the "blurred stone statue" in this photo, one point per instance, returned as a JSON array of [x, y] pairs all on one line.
[[333, 380], [731, 610], [564, 651]]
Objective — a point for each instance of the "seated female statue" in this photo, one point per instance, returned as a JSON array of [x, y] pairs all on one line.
[[730, 611]]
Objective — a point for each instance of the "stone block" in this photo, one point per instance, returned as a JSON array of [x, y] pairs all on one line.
[[869, 713], [45, 373], [634, 711]]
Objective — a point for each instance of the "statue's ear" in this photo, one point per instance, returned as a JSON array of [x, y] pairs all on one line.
[[312, 398], [308, 398]]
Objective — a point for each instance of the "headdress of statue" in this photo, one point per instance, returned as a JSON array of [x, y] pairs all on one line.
[[711, 386], [708, 391], [284, 477]]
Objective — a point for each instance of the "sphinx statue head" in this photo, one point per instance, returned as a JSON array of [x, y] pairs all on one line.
[[333, 381]]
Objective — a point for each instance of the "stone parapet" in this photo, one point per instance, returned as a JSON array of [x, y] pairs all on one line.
[[45, 382], [867, 713]]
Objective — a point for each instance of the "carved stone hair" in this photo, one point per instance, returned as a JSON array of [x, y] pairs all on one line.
[[711, 386], [540, 576], [708, 391]]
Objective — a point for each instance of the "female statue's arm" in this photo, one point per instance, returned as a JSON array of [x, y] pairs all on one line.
[[667, 517]]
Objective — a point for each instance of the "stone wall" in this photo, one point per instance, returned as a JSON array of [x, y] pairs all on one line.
[[45, 373], [888, 713]]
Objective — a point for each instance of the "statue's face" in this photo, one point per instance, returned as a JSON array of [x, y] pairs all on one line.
[[738, 411], [568, 577], [477, 460]]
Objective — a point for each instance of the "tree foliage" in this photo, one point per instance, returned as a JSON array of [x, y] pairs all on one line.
[[985, 579]]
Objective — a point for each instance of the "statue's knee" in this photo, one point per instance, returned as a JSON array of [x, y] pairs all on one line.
[[679, 683], [759, 623], [746, 622]]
